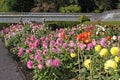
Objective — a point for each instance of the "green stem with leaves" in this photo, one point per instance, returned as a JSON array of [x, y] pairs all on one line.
[[79, 62], [91, 70]]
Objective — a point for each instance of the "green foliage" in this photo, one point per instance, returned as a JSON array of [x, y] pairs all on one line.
[[14, 54], [3, 6], [105, 4], [70, 9], [87, 5], [118, 6], [13, 41], [6, 5], [61, 24], [97, 11], [3, 25], [83, 18], [115, 23], [23, 6], [76, 65], [64, 6]]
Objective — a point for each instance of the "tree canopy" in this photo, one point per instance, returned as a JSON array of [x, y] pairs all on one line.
[[58, 5]]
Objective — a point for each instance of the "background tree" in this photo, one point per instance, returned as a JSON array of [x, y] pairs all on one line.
[[87, 5], [23, 5], [5, 5], [104, 4], [56, 5]]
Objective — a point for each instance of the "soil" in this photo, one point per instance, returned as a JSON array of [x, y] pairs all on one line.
[[26, 73]]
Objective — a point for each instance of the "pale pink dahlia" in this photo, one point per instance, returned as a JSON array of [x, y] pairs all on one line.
[[40, 66], [48, 63]]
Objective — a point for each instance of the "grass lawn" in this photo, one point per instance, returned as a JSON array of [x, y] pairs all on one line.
[[114, 23]]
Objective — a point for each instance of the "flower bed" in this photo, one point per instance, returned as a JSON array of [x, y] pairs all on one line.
[[79, 53]]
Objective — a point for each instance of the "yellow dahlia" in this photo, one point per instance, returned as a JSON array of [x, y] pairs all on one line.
[[98, 48], [110, 64], [117, 59], [72, 55], [104, 52], [87, 63], [114, 51]]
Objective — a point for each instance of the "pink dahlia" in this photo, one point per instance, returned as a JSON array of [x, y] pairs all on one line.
[[52, 43], [48, 63], [40, 66], [45, 51], [93, 42], [44, 44], [28, 40], [59, 41], [32, 38], [56, 63], [38, 51], [89, 46], [31, 56], [71, 44], [28, 51], [71, 50], [31, 45], [82, 46], [64, 45], [72, 32], [36, 43], [118, 38], [37, 57], [20, 52], [103, 42], [30, 64]]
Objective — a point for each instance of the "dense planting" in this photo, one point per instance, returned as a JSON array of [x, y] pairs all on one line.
[[78, 53]]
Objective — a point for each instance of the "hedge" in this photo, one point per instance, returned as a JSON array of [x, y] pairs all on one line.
[[53, 25], [4, 25]]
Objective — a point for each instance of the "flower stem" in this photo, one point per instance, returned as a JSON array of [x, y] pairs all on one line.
[[79, 62], [100, 72], [91, 71]]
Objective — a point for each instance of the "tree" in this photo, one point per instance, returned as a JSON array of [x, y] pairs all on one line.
[[23, 5], [116, 3], [70, 9], [104, 4], [87, 5], [4, 6], [55, 5]]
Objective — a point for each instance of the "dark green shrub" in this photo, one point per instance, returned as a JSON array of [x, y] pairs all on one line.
[[97, 11], [14, 54], [83, 18], [70, 9], [118, 6], [53, 25], [4, 25]]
